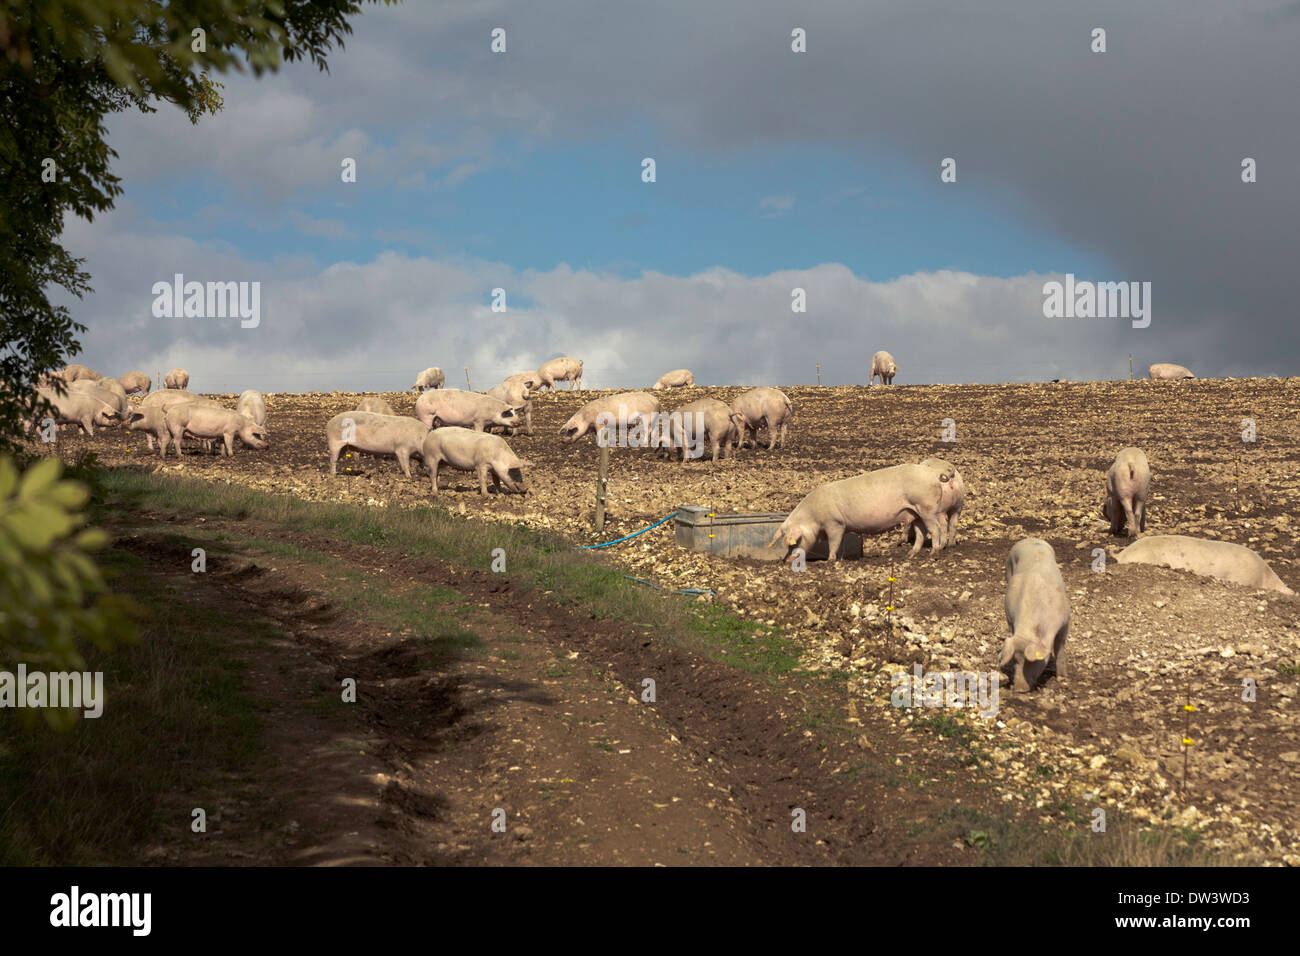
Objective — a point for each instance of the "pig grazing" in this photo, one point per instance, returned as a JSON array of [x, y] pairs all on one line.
[[429, 378], [396, 435], [133, 382], [873, 503], [114, 399], [951, 502], [173, 396], [176, 378], [706, 419], [474, 451], [762, 406], [627, 409], [373, 403], [677, 378], [515, 392], [1215, 559], [77, 408], [1127, 484], [1038, 613], [152, 420], [529, 380], [200, 420], [251, 406], [560, 370], [883, 364], [1164, 371], [79, 373], [451, 406]]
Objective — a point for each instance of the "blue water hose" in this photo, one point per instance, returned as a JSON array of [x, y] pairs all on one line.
[[606, 544]]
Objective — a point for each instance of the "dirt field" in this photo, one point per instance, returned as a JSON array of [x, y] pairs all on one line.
[[1143, 640]]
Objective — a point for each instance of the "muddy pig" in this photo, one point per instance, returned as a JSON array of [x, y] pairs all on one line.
[[1127, 484], [1038, 613], [872, 503], [469, 450], [1215, 559], [395, 435]]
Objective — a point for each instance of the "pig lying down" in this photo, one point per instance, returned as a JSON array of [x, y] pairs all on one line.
[[883, 364], [758, 407], [559, 370], [677, 378], [1038, 613], [634, 415], [469, 450], [1127, 483], [199, 420], [391, 435], [1214, 559], [451, 406], [1167, 372], [873, 503]]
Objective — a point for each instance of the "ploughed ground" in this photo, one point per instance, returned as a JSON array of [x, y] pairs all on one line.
[[544, 720]]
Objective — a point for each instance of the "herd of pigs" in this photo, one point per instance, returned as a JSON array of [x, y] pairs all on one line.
[[453, 427]]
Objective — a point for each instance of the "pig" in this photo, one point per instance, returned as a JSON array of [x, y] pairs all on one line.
[[952, 501], [76, 408], [152, 420], [871, 503], [469, 450], [677, 378], [1166, 371], [430, 378], [1215, 559], [373, 403], [708, 419], [177, 378], [529, 380], [1127, 484], [133, 382], [112, 385], [883, 364], [451, 406], [560, 370], [78, 373], [114, 399], [375, 434], [201, 420], [174, 396], [515, 392], [760, 406], [1038, 613], [632, 409], [252, 406]]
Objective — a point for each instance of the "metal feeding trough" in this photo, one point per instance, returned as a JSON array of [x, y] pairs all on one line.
[[746, 535]]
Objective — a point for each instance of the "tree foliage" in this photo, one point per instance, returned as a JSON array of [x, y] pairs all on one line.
[[65, 67]]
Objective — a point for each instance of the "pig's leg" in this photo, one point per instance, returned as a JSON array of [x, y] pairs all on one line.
[[528, 419], [920, 540], [483, 478], [784, 425], [88, 427], [178, 441], [1060, 655], [1130, 519], [834, 535], [404, 459], [162, 444], [149, 438], [1142, 515], [717, 447], [230, 444], [334, 457], [433, 472]]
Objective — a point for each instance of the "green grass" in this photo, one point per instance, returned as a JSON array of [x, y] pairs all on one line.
[[176, 718]]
